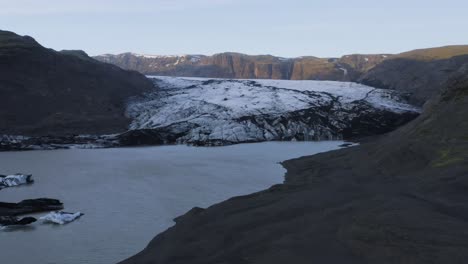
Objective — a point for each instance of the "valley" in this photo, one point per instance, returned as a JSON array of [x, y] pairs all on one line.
[[151, 148]]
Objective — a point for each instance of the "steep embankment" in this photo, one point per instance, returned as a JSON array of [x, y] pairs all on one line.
[[400, 199], [49, 92]]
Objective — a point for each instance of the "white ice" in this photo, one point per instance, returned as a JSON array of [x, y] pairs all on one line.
[[15, 180], [213, 109], [60, 217]]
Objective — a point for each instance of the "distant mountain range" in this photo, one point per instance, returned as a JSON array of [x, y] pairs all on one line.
[[380, 70], [237, 65]]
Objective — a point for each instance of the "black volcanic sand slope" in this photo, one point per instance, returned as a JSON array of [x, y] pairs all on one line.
[[400, 199], [47, 92]]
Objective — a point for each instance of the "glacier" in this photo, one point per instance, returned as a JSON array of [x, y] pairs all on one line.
[[200, 111]]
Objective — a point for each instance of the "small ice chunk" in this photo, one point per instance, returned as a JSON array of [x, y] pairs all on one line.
[[60, 217], [15, 180]]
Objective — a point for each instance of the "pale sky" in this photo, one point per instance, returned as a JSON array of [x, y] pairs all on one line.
[[291, 28]]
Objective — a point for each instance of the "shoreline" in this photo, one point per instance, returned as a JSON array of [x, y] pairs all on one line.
[[18, 146]]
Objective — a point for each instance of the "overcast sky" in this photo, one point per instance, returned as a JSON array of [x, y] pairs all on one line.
[[285, 28]]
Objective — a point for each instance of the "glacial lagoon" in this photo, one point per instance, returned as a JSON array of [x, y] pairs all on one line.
[[128, 195]]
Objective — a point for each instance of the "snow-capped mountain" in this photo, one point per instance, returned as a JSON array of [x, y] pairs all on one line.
[[223, 111]]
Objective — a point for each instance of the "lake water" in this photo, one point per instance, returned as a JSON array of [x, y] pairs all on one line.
[[128, 195]]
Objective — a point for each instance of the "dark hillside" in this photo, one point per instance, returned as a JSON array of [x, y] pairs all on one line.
[[47, 92]]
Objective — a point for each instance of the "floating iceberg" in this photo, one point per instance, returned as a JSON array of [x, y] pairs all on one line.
[[60, 217], [15, 180]]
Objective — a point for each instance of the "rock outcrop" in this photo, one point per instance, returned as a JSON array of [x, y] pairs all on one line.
[[45, 92], [16, 221], [30, 206]]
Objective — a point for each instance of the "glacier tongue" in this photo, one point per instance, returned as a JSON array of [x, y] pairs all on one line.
[[220, 111]]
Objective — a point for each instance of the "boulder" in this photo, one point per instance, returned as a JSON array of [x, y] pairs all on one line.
[[15, 221]]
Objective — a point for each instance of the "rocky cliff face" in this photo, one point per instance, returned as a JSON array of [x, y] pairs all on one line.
[[241, 66], [49, 92], [224, 65]]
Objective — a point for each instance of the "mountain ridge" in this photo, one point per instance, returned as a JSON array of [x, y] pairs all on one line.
[[235, 65], [417, 67], [356, 61]]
